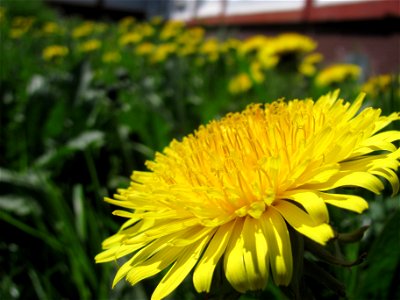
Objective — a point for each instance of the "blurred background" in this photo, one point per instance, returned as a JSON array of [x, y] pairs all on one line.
[[90, 89]]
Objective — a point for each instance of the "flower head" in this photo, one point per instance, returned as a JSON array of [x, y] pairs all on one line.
[[379, 84], [239, 84], [307, 66], [84, 29], [283, 47], [130, 38], [111, 57], [338, 73], [90, 45], [230, 191], [54, 51]]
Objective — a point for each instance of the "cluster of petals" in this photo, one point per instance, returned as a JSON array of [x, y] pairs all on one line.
[[229, 192]]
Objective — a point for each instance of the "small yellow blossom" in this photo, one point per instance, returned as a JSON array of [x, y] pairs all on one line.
[[211, 49], [144, 48], [240, 84], [83, 30], [90, 45], [145, 29], [308, 64], [20, 25], [2, 13], [285, 45], [253, 44], [111, 57], [378, 84], [230, 44], [162, 52], [338, 73], [256, 72], [130, 38], [192, 36], [50, 28], [54, 51], [171, 29], [126, 22]]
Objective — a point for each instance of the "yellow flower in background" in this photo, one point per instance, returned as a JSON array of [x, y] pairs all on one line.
[[256, 72], [171, 29], [83, 30], [111, 57], [54, 51], [20, 25], [126, 22], [187, 49], [230, 191], [379, 84], [211, 49], [253, 44], [338, 73], [2, 13], [162, 52], [240, 84], [287, 44], [192, 36], [90, 45], [308, 64], [144, 48], [156, 20], [51, 28], [130, 39], [230, 44], [145, 29], [100, 27]]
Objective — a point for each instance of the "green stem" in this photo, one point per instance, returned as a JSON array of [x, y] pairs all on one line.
[[31, 231], [92, 171]]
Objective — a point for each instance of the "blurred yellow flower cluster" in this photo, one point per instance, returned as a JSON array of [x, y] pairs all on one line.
[[20, 25], [338, 73], [54, 51], [380, 84], [283, 46], [90, 45]]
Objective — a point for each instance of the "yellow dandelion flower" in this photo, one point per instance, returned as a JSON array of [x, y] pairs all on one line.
[[84, 29], [145, 48], [51, 28], [145, 29], [211, 49], [20, 25], [240, 84], [230, 190], [130, 38], [54, 51], [171, 29], [230, 44], [126, 22], [90, 45], [192, 36], [253, 44], [187, 49], [2, 13], [256, 72], [284, 45], [378, 84], [111, 57], [338, 73], [308, 64], [162, 52]]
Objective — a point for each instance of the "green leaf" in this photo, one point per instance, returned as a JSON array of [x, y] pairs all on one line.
[[382, 261]]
